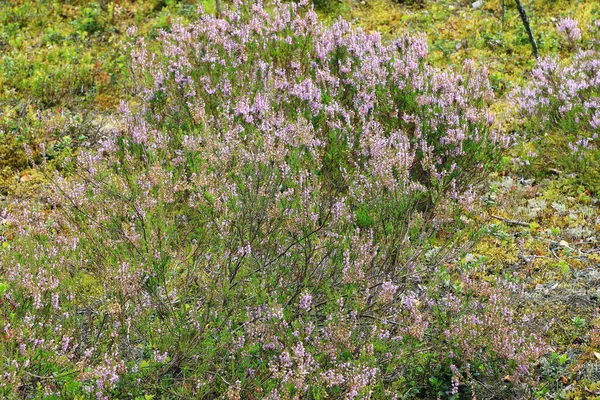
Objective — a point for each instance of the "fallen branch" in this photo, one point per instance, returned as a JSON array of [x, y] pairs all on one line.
[[525, 20], [511, 221]]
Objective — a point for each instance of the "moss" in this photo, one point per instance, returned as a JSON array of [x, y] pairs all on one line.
[[585, 390], [12, 154], [88, 285], [28, 184]]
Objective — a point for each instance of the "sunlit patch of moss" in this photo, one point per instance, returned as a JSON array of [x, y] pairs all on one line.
[[381, 15], [11, 154], [87, 287], [26, 184], [499, 253], [594, 257], [585, 390]]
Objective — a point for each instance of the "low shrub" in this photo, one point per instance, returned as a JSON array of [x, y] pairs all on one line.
[[561, 107], [262, 225]]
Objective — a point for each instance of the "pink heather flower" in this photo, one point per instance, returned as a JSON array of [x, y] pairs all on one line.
[[568, 28], [595, 121], [409, 301], [285, 360], [388, 290], [160, 358], [455, 385], [305, 301]]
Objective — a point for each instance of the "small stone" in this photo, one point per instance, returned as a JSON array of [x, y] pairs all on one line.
[[478, 4]]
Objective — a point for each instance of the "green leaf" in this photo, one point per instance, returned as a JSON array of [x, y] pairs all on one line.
[[563, 267], [533, 225]]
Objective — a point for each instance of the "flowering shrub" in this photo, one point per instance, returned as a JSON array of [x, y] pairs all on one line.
[[564, 96], [569, 30], [256, 229]]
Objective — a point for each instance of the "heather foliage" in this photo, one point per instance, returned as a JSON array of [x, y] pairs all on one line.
[[262, 226], [564, 96]]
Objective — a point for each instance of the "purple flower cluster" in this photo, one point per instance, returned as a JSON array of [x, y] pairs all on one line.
[[285, 84], [569, 30], [565, 95]]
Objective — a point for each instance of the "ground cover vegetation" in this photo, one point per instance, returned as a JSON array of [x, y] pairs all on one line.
[[261, 200]]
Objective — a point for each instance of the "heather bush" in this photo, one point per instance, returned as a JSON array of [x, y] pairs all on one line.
[[561, 105], [263, 225]]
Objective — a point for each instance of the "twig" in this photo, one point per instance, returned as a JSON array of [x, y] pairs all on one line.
[[525, 20], [50, 377], [511, 221]]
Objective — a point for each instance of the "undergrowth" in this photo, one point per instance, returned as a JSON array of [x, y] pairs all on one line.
[[285, 208]]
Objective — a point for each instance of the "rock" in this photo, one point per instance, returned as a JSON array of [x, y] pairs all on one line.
[[477, 5]]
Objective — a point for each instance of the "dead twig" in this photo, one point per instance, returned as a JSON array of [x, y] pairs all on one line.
[[525, 20], [511, 221]]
